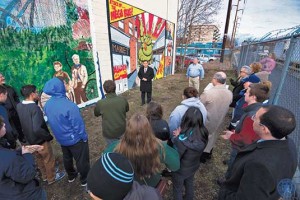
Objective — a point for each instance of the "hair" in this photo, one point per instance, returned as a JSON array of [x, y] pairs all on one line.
[[220, 78], [140, 146], [247, 69], [75, 55], [280, 121], [192, 120], [154, 110], [190, 92], [109, 86], [26, 90], [57, 63], [3, 89], [256, 67], [260, 90]]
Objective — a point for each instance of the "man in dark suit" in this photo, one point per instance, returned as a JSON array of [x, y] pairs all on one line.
[[259, 167], [146, 74]]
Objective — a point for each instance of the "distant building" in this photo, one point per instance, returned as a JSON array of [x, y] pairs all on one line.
[[203, 33]]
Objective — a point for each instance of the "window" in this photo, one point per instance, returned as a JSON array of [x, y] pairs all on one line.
[[121, 24]]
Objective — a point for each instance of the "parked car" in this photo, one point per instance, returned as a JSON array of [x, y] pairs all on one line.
[[188, 60], [203, 58]]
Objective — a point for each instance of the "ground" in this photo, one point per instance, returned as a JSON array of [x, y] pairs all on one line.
[[168, 92]]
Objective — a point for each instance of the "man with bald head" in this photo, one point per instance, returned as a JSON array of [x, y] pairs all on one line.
[[195, 72], [216, 101]]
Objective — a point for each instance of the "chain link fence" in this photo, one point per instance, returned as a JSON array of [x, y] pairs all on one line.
[[285, 77]]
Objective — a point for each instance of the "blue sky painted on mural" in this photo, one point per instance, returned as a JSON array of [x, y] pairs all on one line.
[[263, 16]]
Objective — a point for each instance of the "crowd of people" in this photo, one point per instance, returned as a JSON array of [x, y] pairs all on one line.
[[139, 149]]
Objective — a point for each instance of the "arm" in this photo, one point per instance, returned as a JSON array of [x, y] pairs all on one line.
[[256, 183], [77, 122], [39, 127], [171, 158], [187, 71], [201, 72], [84, 75], [204, 99], [22, 169], [174, 122], [127, 105], [151, 76], [140, 73], [97, 110]]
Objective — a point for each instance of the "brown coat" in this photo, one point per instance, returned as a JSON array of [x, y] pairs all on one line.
[[216, 101]]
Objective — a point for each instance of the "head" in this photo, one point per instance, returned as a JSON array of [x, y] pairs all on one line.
[[3, 94], [195, 61], [154, 110], [2, 127], [57, 66], [112, 170], [192, 120], [55, 87], [219, 78], [29, 92], [256, 67], [76, 59], [2, 79], [140, 146], [258, 92], [245, 71], [109, 86], [272, 55], [190, 92], [272, 121], [145, 63]]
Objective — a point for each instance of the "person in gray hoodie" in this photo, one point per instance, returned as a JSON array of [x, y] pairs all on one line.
[[190, 141], [190, 98]]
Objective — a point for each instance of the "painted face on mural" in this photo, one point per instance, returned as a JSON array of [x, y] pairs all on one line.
[[57, 67], [76, 60], [2, 79]]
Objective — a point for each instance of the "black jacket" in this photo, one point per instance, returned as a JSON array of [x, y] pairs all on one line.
[[33, 123], [238, 87], [17, 176], [146, 86], [160, 128], [189, 154], [258, 169]]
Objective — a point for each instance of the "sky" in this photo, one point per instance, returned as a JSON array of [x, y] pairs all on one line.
[[261, 16]]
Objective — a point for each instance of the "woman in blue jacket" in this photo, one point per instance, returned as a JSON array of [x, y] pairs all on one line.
[[190, 141]]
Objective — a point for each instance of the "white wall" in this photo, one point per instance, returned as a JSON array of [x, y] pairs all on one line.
[[166, 9]]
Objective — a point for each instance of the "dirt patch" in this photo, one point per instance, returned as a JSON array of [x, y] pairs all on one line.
[[168, 92]]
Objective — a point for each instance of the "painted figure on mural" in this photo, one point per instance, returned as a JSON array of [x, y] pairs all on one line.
[[146, 74], [146, 50], [79, 80]]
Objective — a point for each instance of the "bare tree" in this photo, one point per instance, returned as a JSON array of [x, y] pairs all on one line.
[[193, 12]]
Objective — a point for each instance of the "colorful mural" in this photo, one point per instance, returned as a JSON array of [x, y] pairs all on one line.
[[138, 36], [36, 33]]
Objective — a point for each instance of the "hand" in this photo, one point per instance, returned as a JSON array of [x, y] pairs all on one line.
[[83, 86], [227, 135], [144, 79], [176, 132], [31, 148]]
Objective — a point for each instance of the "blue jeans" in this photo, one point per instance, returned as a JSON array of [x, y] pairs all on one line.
[[178, 182], [232, 157]]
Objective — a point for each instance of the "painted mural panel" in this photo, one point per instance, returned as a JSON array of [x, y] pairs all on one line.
[[36, 33], [169, 48], [140, 36]]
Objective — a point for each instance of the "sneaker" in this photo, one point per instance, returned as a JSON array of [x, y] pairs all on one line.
[[71, 180], [58, 176], [84, 184]]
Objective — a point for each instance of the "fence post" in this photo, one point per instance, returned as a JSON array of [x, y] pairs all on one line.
[[285, 70], [246, 55]]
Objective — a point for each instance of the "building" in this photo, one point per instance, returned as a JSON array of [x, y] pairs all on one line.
[[203, 33]]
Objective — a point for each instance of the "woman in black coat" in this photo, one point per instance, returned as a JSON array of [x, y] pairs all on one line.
[[146, 74]]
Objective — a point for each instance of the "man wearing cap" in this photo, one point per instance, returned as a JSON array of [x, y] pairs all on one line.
[[195, 72], [111, 177], [260, 167]]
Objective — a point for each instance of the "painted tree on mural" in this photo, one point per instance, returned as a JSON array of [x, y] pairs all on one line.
[[32, 38]]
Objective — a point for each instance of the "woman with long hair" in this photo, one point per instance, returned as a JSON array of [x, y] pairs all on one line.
[[145, 151], [190, 141], [190, 98], [160, 126]]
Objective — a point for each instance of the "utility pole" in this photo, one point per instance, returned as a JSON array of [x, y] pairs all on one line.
[[226, 30], [235, 23]]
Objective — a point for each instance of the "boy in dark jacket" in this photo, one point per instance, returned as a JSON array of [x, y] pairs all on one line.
[[36, 132], [17, 172]]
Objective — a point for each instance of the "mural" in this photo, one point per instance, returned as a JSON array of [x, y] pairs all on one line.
[[38, 39], [138, 36]]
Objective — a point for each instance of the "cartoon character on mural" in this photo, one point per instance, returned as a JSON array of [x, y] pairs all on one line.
[[146, 50]]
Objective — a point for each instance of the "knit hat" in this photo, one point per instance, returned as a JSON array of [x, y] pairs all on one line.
[[111, 177]]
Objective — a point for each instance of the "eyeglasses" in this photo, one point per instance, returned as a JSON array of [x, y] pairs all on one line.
[[253, 117]]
